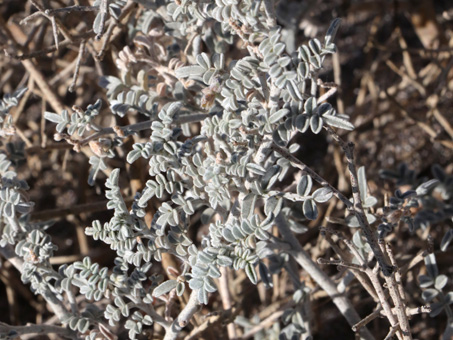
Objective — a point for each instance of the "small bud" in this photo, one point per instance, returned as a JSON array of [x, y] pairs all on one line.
[[77, 109], [77, 148], [161, 89], [98, 148], [8, 131], [173, 63]]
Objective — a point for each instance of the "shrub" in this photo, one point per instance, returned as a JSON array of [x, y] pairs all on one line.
[[219, 133]]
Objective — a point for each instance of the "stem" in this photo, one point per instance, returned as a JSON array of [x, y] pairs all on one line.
[[226, 300], [183, 318], [157, 318], [367, 319], [391, 333], [359, 274], [77, 66]]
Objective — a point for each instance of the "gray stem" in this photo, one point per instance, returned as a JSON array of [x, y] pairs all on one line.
[[182, 320]]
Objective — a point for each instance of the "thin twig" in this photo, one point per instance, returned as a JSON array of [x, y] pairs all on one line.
[[77, 67], [51, 214], [266, 323], [391, 332], [32, 16], [306, 169], [414, 261], [358, 210], [56, 24], [55, 31], [341, 263], [64, 43], [373, 275], [69, 9], [211, 321], [397, 272], [359, 274], [420, 88], [425, 127], [367, 319], [40, 80], [327, 95]]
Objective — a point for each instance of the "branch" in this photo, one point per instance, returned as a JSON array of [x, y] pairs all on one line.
[[398, 301], [57, 306], [322, 279], [16, 331]]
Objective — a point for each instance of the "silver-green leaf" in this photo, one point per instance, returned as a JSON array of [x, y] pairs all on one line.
[[164, 288], [310, 209]]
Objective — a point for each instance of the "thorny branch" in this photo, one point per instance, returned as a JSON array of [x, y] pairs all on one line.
[[322, 279], [357, 208]]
